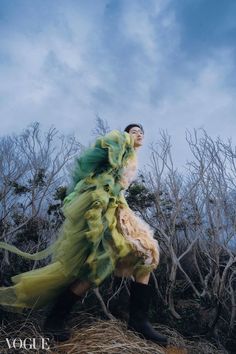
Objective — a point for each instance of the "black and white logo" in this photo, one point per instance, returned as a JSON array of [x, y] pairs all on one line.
[[28, 343]]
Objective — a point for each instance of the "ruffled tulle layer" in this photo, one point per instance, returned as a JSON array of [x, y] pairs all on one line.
[[90, 243], [88, 247]]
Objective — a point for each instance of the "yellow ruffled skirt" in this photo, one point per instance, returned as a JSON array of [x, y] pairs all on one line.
[[100, 234]]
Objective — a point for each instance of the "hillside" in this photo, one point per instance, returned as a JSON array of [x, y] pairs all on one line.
[[92, 335]]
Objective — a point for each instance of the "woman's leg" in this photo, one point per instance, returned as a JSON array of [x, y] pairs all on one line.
[[55, 323], [143, 279], [140, 298], [80, 287]]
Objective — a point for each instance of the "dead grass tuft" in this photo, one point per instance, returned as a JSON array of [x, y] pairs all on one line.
[[91, 335]]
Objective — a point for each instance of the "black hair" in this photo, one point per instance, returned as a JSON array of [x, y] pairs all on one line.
[[130, 126]]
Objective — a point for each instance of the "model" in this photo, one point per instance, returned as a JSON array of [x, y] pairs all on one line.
[[100, 235]]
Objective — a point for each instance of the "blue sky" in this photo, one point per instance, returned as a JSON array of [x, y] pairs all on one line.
[[167, 64]]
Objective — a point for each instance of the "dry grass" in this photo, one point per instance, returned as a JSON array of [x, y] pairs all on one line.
[[93, 336]]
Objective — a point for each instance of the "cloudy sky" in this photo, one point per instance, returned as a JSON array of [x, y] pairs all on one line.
[[169, 64]]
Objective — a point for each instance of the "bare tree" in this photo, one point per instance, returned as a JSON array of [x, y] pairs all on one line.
[[32, 166], [101, 127], [194, 218]]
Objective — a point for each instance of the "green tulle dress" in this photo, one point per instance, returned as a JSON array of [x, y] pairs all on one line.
[[90, 243]]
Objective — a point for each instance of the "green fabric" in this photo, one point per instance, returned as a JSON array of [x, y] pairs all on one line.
[[89, 244]]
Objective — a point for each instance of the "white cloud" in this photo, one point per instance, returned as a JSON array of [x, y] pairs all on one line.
[[134, 70]]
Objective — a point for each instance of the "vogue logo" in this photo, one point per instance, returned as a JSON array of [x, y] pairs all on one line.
[[28, 343]]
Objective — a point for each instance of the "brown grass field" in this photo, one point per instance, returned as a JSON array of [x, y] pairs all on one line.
[[91, 335]]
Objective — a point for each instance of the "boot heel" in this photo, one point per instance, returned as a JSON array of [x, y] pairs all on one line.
[[140, 296]]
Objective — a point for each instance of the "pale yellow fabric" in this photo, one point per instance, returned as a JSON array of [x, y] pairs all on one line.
[[138, 233]]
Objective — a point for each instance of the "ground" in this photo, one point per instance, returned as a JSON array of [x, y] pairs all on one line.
[[91, 335]]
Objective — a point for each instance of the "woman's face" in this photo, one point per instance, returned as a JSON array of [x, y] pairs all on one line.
[[138, 136]]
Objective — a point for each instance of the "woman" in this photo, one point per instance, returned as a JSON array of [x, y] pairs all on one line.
[[100, 235]]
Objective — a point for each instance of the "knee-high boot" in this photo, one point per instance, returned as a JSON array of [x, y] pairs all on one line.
[[55, 323], [140, 296]]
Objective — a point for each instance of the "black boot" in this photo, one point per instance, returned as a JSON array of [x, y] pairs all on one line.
[[55, 323], [140, 296]]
